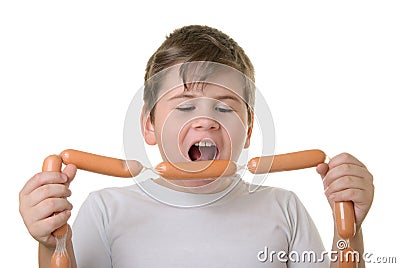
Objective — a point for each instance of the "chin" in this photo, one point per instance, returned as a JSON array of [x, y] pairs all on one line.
[[199, 183]]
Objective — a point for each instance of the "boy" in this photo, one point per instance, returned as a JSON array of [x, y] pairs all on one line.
[[199, 119]]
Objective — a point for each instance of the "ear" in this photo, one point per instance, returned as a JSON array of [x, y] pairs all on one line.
[[147, 127], [249, 131]]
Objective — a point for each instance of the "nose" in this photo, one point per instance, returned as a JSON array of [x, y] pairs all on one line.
[[205, 123]]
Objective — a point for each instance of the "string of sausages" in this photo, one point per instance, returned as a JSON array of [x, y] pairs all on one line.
[[344, 211]]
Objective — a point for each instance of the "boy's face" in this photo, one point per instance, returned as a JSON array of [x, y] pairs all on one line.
[[206, 122]]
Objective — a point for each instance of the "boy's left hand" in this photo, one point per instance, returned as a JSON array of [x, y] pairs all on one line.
[[345, 178]]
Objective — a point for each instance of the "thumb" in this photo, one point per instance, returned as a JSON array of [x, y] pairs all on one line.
[[322, 169], [70, 171]]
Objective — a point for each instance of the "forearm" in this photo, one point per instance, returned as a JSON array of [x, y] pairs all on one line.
[[356, 243], [46, 253]]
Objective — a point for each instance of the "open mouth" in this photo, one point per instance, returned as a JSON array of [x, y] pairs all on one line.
[[202, 151]]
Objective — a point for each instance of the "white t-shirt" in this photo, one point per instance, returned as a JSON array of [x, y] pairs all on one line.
[[125, 227]]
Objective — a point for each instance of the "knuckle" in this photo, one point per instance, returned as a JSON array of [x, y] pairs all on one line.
[[46, 190], [41, 179], [372, 189], [371, 177], [328, 195], [53, 223], [346, 156], [51, 204], [328, 178], [352, 193], [349, 180], [37, 176], [66, 191], [347, 167], [30, 201], [22, 212]]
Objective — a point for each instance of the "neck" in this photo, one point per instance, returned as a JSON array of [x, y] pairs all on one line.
[[202, 186]]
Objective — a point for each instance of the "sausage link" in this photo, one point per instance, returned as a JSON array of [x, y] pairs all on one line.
[[196, 170], [344, 211], [101, 164], [58, 259], [345, 219], [286, 162], [52, 163]]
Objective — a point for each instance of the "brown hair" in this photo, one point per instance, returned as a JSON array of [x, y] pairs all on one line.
[[198, 43]]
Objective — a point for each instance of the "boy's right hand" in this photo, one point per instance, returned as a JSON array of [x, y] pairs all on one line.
[[43, 204]]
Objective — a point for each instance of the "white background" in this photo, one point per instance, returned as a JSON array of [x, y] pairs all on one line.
[[330, 72]]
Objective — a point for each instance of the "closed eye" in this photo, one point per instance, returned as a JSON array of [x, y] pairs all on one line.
[[224, 109], [185, 108]]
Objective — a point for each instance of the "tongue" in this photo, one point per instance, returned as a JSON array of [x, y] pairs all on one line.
[[207, 153], [202, 153]]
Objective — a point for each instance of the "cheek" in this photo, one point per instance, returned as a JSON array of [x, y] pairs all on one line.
[[237, 136], [168, 130], [167, 124], [236, 132]]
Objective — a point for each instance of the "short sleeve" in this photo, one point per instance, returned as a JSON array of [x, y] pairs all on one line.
[[306, 248], [89, 234]]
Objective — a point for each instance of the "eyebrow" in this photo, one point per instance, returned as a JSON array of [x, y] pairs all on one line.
[[186, 95]]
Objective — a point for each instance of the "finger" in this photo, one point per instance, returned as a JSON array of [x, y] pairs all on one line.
[[344, 183], [355, 195], [50, 206], [47, 191], [344, 158], [70, 172], [43, 178], [48, 225], [345, 170], [322, 169], [56, 221]]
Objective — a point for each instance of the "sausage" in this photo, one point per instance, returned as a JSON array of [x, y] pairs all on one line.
[[54, 163], [192, 170], [60, 258], [345, 219], [286, 162], [344, 211], [102, 164], [196, 170], [257, 165]]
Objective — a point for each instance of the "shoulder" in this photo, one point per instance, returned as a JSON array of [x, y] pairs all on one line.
[[275, 194], [115, 195], [274, 199], [114, 203], [111, 191]]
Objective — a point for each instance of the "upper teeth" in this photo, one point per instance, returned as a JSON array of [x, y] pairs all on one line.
[[204, 143]]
